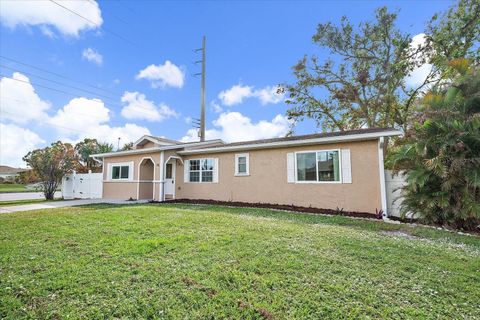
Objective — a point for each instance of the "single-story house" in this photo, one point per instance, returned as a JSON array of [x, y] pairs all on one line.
[[325, 170], [9, 173]]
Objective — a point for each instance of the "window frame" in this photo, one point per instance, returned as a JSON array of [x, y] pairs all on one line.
[[316, 166], [120, 164], [200, 171], [247, 164]]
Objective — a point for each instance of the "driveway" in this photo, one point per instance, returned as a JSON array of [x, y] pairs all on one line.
[[25, 196], [64, 203]]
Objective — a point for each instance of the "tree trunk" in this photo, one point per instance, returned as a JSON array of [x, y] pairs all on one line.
[[49, 195]]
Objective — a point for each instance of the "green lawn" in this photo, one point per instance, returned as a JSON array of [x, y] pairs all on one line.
[[7, 188], [205, 262]]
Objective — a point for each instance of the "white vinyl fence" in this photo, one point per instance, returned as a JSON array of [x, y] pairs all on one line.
[[82, 186], [393, 184]]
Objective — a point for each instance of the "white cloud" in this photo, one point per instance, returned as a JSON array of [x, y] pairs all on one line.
[[235, 95], [234, 126], [238, 93], [80, 114], [92, 55], [47, 13], [419, 74], [19, 101], [16, 142], [269, 95], [163, 75], [82, 118], [216, 107], [138, 107]]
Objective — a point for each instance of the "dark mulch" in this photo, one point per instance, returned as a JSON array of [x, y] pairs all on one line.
[[338, 212]]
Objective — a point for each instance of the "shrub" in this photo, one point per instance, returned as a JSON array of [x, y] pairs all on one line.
[[441, 154]]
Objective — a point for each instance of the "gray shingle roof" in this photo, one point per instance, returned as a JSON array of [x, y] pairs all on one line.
[[306, 137]]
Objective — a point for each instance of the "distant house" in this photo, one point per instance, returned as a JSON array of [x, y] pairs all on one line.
[[326, 170], [9, 174]]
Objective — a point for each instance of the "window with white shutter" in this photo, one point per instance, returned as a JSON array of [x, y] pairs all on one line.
[[346, 166]]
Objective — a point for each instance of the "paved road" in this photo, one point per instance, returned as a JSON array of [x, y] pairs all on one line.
[[61, 204], [25, 196]]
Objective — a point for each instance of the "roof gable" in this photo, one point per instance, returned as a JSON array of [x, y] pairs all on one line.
[[158, 141]]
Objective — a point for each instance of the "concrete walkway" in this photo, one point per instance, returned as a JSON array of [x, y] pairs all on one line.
[[63, 203], [13, 196]]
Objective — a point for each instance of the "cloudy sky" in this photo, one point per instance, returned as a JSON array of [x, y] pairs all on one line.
[[110, 69]]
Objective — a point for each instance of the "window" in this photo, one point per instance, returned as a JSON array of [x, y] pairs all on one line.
[[242, 166], [318, 166], [120, 171], [169, 171], [201, 170]]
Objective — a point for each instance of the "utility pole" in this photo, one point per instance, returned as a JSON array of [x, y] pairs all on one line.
[[202, 114], [201, 132]]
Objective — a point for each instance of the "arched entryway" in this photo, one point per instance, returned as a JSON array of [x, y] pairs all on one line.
[[146, 174]]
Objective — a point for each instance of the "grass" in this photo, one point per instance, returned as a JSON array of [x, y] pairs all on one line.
[[197, 262], [9, 188]]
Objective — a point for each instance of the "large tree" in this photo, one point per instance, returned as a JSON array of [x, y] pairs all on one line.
[[360, 84], [88, 147], [51, 164], [363, 82]]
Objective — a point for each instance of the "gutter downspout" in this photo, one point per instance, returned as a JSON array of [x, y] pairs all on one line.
[[381, 167], [162, 180]]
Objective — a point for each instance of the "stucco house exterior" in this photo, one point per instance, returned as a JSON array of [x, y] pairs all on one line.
[[326, 170]]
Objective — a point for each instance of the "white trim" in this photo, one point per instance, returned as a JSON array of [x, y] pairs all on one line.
[[316, 164], [324, 140], [381, 168], [143, 181], [131, 172], [174, 172], [151, 139], [161, 189], [346, 166], [215, 164], [215, 170], [291, 172], [156, 149], [131, 181], [175, 157], [247, 163]]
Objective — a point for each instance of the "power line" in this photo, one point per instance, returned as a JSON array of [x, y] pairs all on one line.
[[30, 103], [70, 94], [110, 13], [55, 74], [57, 82], [95, 24], [54, 125]]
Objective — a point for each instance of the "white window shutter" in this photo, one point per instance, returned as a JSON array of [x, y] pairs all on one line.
[[186, 166], [346, 166], [291, 167], [215, 170]]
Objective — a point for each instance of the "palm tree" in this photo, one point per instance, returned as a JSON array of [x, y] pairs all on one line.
[[441, 154]]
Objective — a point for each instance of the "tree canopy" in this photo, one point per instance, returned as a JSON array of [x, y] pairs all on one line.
[[441, 153], [86, 148], [51, 164], [363, 82]]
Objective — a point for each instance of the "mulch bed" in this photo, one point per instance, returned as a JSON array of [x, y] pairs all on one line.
[[312, 210]]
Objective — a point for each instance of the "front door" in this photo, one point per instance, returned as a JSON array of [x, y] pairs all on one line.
[[170, 181]]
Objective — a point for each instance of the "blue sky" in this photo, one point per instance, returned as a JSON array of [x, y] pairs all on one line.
[[251, 47]]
